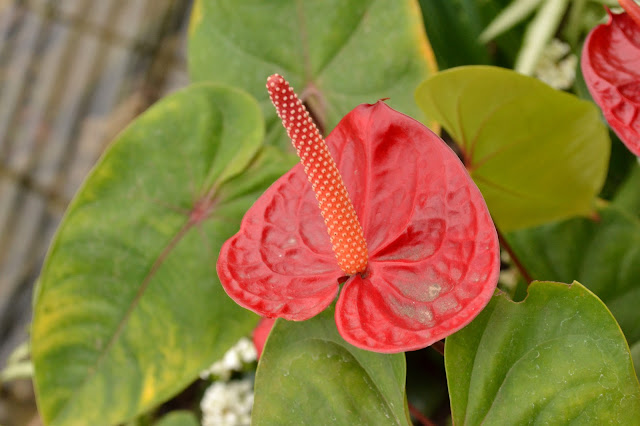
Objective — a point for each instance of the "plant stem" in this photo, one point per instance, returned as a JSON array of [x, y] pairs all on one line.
[[438, 347], [424, 421], [505, 245], [576, 13]]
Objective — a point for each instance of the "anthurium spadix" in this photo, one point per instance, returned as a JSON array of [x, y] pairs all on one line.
[[611, 68], [385, 209]]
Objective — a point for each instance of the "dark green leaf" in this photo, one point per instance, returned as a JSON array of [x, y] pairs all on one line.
[[129, 308], [308, 374], [336, 54], [557, 358], [454, 28], [453, 33], [621, 166], [604, 254], [628, 196]]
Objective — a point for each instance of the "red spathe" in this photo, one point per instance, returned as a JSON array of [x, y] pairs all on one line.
[[611, 68], [433, 249]]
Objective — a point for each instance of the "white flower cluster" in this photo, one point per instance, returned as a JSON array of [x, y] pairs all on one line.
[[509, 276], [556, 66], [242, 352], [227, 403]]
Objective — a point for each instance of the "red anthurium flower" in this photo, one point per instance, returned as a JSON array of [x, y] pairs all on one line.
[[400, 223], [611, 68]]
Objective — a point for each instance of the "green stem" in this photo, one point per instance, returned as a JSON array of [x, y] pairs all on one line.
[[574, 21]]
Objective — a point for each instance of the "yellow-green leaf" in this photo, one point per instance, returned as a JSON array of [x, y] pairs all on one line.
[[537, 154], [129, 308]]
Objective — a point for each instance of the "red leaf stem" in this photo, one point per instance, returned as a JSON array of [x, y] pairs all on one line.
[[514, 258], [421, 418]]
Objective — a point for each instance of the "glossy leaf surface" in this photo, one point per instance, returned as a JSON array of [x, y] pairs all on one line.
[[558, 357], [308, 374], [611, 68], [519, 138], [337, 54], [129, 308], [433, 250], [602, 254]]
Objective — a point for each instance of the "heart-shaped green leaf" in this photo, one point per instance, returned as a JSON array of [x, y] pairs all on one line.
[[520, 138], [336, 54], [308, 374], [603, 254], [557, 358], [129, 308]]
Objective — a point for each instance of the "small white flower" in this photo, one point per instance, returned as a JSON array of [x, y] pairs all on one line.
[[557, 66], [227, 403], [241, 352], [509, 276]]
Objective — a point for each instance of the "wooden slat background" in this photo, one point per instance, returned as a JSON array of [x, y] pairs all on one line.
[[73, 73]]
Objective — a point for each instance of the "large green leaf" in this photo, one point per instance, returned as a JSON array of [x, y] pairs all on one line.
[[557, 358], [602, 254], [336, 54], [129, 308], [536, 154], [308, 374]]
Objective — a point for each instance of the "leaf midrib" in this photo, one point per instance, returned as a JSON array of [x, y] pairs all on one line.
[[93, 370]]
